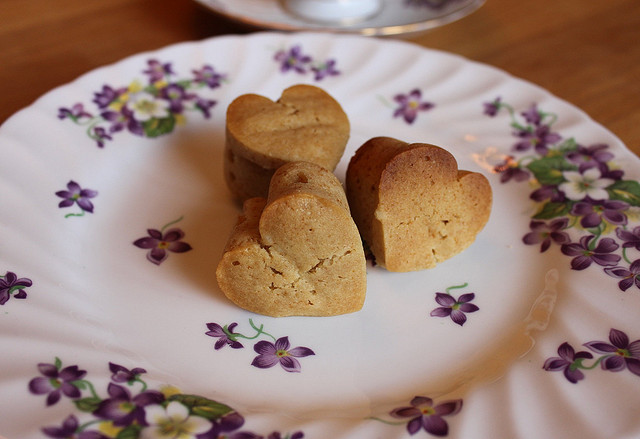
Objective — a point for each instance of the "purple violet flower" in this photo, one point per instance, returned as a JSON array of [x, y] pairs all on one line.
[[10, 283], [594, 213], [159, 244], [612, 174], [205, 105], [271, 354], [629, 276], [631, 238], [548, 192], [100, 135], [208, 76], [567, 361], [219, 332], [56, 382], [108, 94], [76, 112], [226, 424], [326, 69], [590, 156], [454, 308], [540, 137], [69, 429], [584, 255], [123, 119], [492, 108], [176, 95], [123, 409], [620, 353], [293, 59], [545, 233], [532, 115], [510, 170], [157, 70], [536, 134], [121, 374], [76, 195], [425, 415], [410, 105]]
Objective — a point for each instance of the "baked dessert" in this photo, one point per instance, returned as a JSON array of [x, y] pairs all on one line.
[[298, 252], [412, 205], [305, 124]]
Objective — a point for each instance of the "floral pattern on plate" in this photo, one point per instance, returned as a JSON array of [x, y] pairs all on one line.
[[577, 187], [407, 106], [129, 409], [424, 414], [455, 308], [148, 109], [76, 195], [270, 353], [295, 60], [161, 242], [410, 104], [13, 286], [616, 355]]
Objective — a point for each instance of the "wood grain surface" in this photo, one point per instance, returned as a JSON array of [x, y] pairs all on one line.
[[584, 51]]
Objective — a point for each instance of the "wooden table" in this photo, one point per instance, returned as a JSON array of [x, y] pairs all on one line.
[[586, 52]]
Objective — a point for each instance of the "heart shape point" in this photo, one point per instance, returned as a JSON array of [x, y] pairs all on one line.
[[304, 124], [412, 204], [298, 252]]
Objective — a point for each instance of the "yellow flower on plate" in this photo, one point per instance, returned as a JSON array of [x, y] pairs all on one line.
[[160, 84], [169, 390], [108, 429], [119, 103], [135, 86]]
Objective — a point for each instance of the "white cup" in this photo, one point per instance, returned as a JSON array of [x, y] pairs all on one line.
[[334, 11]]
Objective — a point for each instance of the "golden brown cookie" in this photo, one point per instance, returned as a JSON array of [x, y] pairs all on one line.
[[412, 205], [305, 124], [297, 252]]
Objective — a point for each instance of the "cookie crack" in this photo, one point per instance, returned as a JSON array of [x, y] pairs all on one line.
[[291, 280], [328, 261]]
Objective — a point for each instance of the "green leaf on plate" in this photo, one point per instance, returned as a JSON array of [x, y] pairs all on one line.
[[553, 210], [156, 127], [568, 145], [548, 170], [88, 404], [201, 406], [625, 190], [130, 432]]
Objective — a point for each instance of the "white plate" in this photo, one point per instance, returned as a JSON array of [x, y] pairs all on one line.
[[396, 17], [94, 298]]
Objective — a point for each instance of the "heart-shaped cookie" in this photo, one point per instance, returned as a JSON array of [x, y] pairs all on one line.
[[297, 252], [412, 205], [305, 124]]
